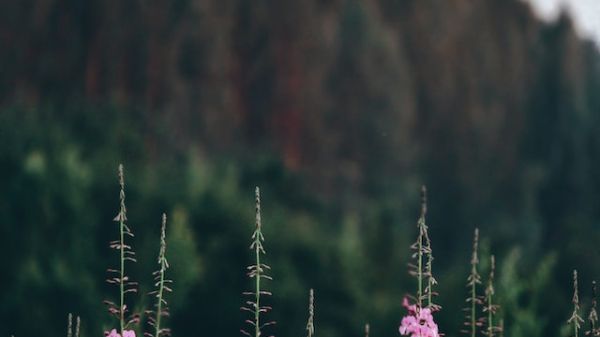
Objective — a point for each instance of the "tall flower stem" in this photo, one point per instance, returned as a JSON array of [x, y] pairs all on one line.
[[419, 320], [119, 277], [121, 219], [70, 326], [257, 250], [593, 316], [472, 281], [575, 319], [310, 325], [161, 288], [490, 307], [431, 281], [258, 272], [420, 247], [489, 292], [162, 261], [422, 228], [424, 268]]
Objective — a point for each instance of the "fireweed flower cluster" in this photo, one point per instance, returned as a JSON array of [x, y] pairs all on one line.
[[126, 333], [419, 321]]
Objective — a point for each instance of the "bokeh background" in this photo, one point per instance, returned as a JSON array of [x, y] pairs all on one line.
[[339, 110]]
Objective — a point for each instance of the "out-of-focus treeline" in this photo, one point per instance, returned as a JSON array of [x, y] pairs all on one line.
[[339, 110]]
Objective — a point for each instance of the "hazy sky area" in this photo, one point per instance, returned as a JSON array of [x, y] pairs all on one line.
[[586, 14]]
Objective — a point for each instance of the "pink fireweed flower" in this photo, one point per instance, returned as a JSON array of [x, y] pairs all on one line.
[[128, 333], [114, 333], [412, 308], [419, 322]]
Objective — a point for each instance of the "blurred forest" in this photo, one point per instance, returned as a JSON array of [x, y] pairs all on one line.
[[339, 110]]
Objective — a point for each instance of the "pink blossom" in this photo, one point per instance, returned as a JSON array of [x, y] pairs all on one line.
[[418, 322], [128, 333], [412, 308], [112, 333]]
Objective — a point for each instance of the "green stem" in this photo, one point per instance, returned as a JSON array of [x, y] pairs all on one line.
[[257, 249], [70, 325], [160, 297], [429, 285], [430, 280], [258, 276], [420, 265], [490, 317], [575, 318], [421, 225], [122, 217], [122, 279], [473, 280], [489, 294], [310, 326], [473, 311], [162, 261]]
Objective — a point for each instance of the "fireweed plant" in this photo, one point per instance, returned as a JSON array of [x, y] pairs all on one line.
[[490, 308], [70, 326], [593, 316], [257, 271], [575, 320], [310, 325], [118, 276], [161, 288], [419, 320], [473, 301]]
